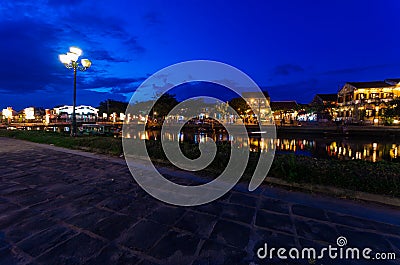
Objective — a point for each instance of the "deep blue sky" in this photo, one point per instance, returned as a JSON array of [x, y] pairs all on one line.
[[293, 48]]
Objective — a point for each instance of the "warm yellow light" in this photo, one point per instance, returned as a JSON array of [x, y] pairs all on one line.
[[72, 56], [64, 58], [7, 113], [75, 50], [29, 113], [86, 63]]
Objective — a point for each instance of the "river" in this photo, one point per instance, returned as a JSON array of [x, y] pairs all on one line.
[[343, 148]]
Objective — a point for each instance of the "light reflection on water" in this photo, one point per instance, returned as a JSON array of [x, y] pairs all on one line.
[[341, 148]]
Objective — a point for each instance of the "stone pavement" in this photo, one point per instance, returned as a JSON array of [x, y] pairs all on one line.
[[60, 206]]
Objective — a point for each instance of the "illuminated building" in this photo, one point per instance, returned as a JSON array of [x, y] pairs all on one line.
[[325, 100], [8, 113], [325, 106], [284, 111], [29, 113], [366, 101], [83, 112], [259, 103]]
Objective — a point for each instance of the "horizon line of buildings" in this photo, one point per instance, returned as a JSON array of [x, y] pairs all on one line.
[[354, 102]]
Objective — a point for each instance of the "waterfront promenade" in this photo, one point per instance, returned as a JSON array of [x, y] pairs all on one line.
[[60, 206]]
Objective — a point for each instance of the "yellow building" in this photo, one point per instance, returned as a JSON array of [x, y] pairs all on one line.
[[366, 101], [260, 103], [285, 112], [8, 114]]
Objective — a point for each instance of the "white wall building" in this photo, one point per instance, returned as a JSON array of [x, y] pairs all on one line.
[[83, 112], [8, 113], [79, 110], [29, 113]]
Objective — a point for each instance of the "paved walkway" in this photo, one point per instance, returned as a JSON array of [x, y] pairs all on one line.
[[59, 206]]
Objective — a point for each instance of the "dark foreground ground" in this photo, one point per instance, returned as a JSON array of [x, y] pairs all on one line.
[[59, 206]]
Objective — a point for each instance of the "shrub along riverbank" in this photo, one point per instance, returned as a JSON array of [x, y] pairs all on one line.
[[380, 178], [97, 144]]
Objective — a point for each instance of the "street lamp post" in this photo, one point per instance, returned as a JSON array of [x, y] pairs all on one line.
[[70, 60]]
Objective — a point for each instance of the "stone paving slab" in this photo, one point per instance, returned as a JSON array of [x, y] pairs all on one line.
[[60, 206]]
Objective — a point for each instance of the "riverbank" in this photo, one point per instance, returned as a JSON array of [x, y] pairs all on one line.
[[381, 178]]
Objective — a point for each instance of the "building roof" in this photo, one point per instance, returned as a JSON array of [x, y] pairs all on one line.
[[372, 84], [327, 97], [283, 105], [255, 94]]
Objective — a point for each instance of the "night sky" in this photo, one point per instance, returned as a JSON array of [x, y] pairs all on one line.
[[294, 49]]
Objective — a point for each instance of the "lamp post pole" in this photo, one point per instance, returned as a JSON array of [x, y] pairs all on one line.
[[74, 131], [70, 60]]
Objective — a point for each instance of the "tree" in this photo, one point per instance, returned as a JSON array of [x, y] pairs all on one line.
[[392, 111], [110, 106], [324, 111], [240, 105], [164, 105]]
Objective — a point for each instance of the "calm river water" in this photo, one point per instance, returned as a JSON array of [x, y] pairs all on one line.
[[336, 148]]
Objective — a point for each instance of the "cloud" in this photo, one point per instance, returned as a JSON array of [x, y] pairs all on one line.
[[112, 81], [103, 55], [29, 62], [287, 69], [152, 18], [113, 85], [134, 45], [355, 69], [34, 34]]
